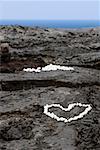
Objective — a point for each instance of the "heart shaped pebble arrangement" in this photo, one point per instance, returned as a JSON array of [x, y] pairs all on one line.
[[52, 67], [70, 107]]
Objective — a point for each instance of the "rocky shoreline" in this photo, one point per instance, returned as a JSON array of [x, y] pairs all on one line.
[[23, 125]]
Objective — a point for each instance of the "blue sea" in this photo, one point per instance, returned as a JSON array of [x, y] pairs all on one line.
[[54, 23]]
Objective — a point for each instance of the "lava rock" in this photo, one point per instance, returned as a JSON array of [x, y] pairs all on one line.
[[4, 52], [23, 95]]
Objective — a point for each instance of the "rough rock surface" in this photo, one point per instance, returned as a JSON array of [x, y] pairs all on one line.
[[23, 125]]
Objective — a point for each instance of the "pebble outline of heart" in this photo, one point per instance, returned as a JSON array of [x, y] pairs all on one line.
[[70, 107]]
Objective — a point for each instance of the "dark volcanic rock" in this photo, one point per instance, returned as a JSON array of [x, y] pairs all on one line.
[[4, 48], [89, 60], [23, 125], [4, 53], [77, 77], [51, 46]]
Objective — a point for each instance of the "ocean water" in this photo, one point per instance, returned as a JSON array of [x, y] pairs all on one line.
[[54, 23]]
